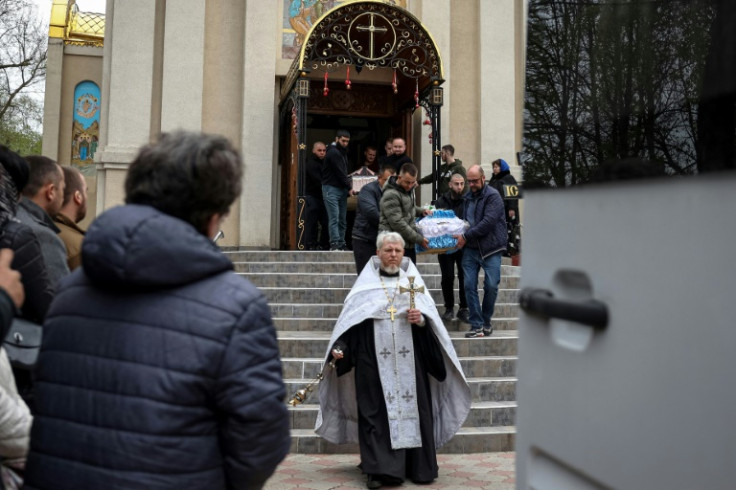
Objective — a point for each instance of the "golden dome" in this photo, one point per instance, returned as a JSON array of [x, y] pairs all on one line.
[[75, 27]]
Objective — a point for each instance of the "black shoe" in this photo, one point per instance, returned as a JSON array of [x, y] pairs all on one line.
[[447, 315], [487, 331], [474, 333], [373, 482], [463, 315]]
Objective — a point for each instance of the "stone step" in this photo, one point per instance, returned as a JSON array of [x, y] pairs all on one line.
[[314, 344], [481, 389], [326, 324], [467, 440], [482, 414], [337, 268], [332, 310], [473, 367], [343, 280], [311, 256], [337, 295]]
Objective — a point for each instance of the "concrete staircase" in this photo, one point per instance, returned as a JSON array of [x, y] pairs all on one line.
[[306, 291]]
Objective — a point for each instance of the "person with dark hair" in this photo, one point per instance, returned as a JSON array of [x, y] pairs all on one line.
[[449, 167], [73, 210], [367, 216], [398, 155], [21, 239], [315, 215], [398, 210], [453, 200], [42, 199], [336, 187], [160, 366], [482, 244]]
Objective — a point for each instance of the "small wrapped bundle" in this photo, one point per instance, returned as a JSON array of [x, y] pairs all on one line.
[[439, 229]]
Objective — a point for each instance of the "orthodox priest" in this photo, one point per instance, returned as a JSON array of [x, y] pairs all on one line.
[[390, 342]]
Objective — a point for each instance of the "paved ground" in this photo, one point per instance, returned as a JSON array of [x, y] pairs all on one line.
[[492, 471]]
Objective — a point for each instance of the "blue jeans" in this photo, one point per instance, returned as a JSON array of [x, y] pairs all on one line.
[[336, 202], [472, 263]]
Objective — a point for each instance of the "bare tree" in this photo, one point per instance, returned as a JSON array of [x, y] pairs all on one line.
[[23, 44]]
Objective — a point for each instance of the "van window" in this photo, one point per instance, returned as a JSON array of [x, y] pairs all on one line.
[[619, 89]]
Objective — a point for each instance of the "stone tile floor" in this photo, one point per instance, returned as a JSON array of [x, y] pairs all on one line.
[[492, 471]]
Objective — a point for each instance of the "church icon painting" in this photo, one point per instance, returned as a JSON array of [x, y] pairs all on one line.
[[86, 128]]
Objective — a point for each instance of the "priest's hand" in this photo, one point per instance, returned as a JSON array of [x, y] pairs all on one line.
[[337, 353], [415, 317]]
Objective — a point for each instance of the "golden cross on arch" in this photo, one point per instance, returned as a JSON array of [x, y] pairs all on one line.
[[371, 29]]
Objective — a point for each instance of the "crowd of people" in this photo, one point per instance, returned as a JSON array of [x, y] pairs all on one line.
[[389, 204], [159, 366]]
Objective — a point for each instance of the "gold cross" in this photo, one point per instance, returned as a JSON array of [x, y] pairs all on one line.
[[412, 289], [391, 309]]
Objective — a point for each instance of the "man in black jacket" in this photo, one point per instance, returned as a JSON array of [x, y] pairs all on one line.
[[160, 367], [336, 187], [453, 199], [398, 155], [367, 215], [315, 215]]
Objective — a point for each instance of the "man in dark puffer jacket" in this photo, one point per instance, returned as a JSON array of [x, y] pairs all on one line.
[[160, 367]]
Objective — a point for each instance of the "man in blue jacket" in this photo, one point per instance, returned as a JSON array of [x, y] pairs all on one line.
[[159, 367], [483, 244]]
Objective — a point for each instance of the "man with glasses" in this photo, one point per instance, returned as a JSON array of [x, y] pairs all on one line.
[[483, 244], [398, 210]]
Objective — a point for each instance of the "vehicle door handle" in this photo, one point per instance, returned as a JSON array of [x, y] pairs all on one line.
[[541, 302]]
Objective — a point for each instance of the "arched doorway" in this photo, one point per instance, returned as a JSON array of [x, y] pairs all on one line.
[[365, 65]]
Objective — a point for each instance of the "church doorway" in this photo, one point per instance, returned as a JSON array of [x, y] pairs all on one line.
[[366, 67]]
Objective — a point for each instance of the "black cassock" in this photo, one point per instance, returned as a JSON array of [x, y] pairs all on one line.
[[377, 458]]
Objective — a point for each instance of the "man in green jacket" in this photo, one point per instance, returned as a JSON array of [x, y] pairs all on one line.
[[398, 210]]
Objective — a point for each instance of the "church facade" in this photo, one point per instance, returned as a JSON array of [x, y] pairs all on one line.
[[276, 76]]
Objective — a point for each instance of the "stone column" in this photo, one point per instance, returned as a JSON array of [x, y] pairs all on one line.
[[52, 99], [498, 81], [127, 96], [260, 203], [183, 66]]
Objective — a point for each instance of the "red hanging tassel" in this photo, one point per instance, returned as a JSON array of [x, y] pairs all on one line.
[[325, 90], [347, 80], [394, 84], [416, 96]]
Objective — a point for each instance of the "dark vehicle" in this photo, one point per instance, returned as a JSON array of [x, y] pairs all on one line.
[[627, 334]]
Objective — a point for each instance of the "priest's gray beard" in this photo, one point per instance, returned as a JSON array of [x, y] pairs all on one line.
[[390, 269]]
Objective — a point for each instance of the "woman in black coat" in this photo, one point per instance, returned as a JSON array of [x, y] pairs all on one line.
[[20, 238], [502, 180]]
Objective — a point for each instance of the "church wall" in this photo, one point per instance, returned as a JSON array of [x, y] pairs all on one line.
[[166, 68]]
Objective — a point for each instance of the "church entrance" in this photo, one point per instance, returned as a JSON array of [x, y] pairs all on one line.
[[365, 67]]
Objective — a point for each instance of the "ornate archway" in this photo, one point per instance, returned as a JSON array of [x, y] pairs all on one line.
[[368, 35]]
